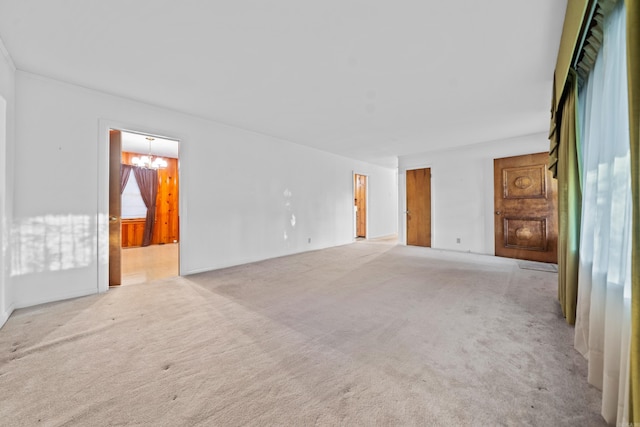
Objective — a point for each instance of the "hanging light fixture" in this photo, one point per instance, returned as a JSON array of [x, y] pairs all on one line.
[[149, 161]]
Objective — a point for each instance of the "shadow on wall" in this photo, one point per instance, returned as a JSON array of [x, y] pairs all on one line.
[[53, 243]]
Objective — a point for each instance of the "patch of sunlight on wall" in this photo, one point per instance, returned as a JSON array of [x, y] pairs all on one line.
[[52, 243]]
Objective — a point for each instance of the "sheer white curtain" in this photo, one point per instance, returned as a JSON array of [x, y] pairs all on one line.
[[604, 280]]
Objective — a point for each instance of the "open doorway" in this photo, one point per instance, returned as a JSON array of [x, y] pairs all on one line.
[[360, 205], [143, 208]]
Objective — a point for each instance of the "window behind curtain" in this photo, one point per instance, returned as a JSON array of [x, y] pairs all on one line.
[[132, 204], [603, 314]]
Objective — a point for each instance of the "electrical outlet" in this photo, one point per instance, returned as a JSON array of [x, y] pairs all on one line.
[[309, 239], [457, 240]]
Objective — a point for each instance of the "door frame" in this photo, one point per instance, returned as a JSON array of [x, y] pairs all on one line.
[[102, 218], [6, 305], [353, 206], [402, 202]]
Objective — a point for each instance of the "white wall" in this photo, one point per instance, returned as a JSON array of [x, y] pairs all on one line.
[[7, 132], [462, 191], [239, 191]]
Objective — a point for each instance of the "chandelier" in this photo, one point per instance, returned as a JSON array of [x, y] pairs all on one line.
[[149, 161]]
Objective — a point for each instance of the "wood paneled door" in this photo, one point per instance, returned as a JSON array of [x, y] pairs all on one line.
[[115, 147], [525, 201], [419, 207], [360, 201]]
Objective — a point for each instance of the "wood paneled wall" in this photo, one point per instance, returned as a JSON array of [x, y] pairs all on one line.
[[132, 232], [166, 229]]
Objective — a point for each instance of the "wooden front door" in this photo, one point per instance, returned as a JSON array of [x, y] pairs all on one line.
[[419, 207], [115, 148], [360, 201], [525, 200]]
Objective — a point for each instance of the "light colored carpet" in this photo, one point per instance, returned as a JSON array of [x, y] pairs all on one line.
[[364, 334]]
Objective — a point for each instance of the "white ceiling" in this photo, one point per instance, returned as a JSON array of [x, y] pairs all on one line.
[[369, 79], [157, 146]]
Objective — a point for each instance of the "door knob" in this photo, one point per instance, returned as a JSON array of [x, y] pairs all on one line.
[[113, 218], [498, 213]]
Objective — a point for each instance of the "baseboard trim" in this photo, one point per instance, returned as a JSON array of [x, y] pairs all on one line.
[[252, 260], [383, 237], [55, 298], [5, 315]]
